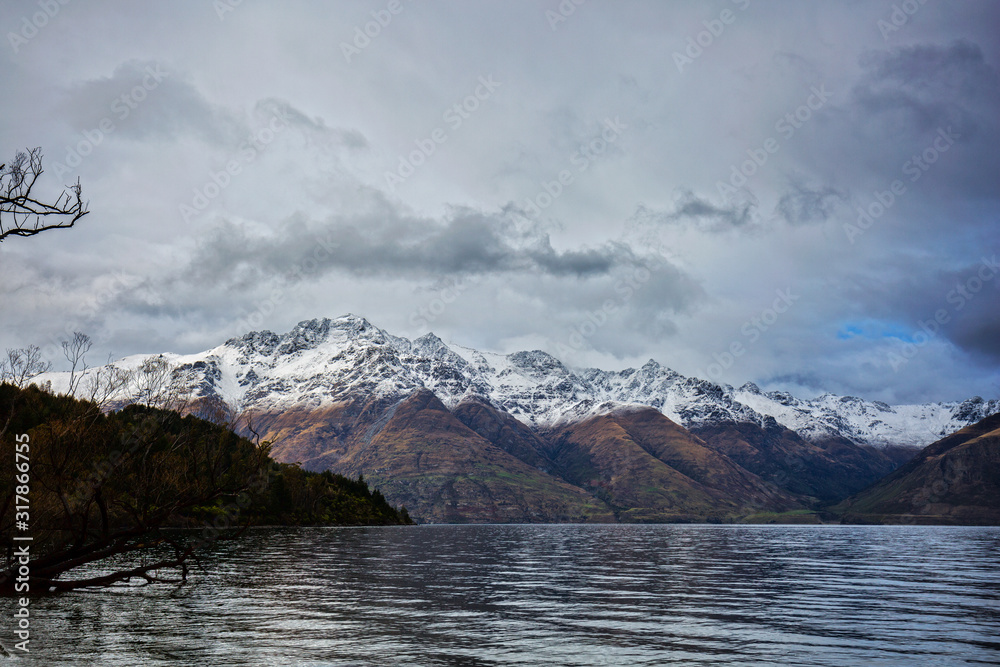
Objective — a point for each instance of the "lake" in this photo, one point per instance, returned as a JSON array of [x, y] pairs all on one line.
[[551, 595]]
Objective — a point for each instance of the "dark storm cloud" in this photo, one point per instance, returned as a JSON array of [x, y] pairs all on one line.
[[924, 87], [957, 305], [980, 333], [915, 91], [974, 298], [389, 245]]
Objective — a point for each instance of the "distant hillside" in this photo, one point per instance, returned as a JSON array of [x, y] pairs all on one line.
[[956, 480], [825, 470], [647, 468], [478, 463], [425, 458]]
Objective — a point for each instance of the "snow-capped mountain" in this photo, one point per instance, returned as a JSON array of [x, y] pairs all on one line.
[[323, 363]]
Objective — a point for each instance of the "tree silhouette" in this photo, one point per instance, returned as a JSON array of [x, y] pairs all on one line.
[[105, 488], [21, 365], [21, 213]]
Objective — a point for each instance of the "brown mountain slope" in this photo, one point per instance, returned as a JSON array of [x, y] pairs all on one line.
[[690, 455], [478, 463], [828, 471], [504, 431], [955, 480], [419, 455], [631, 461], [319, 438]]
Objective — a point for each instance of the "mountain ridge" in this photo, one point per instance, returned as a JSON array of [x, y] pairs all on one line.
[[320, 362]]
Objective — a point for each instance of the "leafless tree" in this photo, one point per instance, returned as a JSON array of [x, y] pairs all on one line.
[[21, 212], [106, 384], [75, 351], [156, 386], [22, 365]]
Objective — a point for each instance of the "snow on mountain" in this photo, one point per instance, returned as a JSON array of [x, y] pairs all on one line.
[[324, 362], [867, 422]]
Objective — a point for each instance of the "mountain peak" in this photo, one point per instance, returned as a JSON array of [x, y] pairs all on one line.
[[429, 339], [352, 322], [351, 317], [537, 362]]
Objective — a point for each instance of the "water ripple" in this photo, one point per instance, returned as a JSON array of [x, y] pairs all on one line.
[[553, 595]]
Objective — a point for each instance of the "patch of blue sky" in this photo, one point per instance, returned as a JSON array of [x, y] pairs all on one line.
[[875, 330]]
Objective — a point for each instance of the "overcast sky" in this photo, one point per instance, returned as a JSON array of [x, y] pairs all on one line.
[[609, 182]]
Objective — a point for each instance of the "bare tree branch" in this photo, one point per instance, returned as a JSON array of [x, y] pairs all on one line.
[[106, 383], [22, 365], [21, 213], [74, 351]]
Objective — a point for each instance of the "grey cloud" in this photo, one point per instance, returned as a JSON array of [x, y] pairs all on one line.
[[629, 306], [507, 263], [811, 381], [315, 129], [929, 86], [906, 294], [689, 209], [146, 99], [388, 245], [580, 262], [803, 204], [150, 99]]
